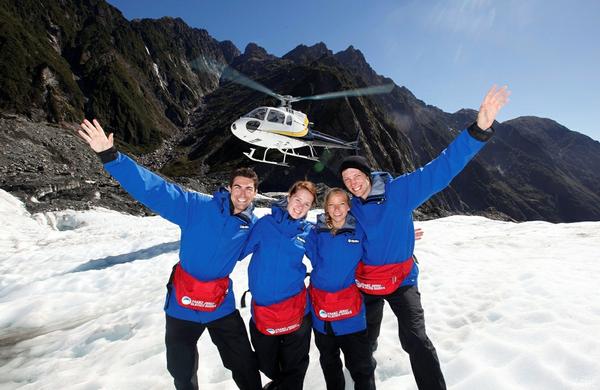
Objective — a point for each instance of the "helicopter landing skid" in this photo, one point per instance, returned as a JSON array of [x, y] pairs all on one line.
[[250, 155], [285, 152]]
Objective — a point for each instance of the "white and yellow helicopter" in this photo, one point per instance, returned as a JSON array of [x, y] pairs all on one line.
[[285, 129]]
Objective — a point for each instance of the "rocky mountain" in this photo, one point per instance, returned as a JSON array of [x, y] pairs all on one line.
[[61, 60], [550, 171], [156, 84], [303, 54]]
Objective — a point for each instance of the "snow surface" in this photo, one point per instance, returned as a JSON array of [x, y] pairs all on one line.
[[507, 305]]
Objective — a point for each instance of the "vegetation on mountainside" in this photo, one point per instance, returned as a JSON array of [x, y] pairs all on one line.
[[33, 75]]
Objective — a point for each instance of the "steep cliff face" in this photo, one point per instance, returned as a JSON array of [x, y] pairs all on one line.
[[156, 84], [65, 59], [186, 63]]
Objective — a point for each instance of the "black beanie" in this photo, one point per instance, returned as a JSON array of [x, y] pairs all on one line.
[[357, 162]]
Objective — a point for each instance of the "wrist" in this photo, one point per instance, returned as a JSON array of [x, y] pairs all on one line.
[[480, 134], [108, 155]]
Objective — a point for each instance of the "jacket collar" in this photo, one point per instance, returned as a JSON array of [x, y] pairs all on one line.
[[284, 222], [223, 197], [279, 210], [378, 182], [349, 224]]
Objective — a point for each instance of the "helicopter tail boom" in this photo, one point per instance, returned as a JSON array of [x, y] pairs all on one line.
[[326, 141]]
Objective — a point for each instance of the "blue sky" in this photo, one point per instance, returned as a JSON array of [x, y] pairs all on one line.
[[448, 53]]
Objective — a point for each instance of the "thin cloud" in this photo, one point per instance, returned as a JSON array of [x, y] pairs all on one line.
[[471, 17]]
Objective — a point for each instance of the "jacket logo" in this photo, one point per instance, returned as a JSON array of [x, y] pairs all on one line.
[[334, 314], [302, 240], [187, 301], [285, 329], [244, 227], [353, 241], [369, 286]]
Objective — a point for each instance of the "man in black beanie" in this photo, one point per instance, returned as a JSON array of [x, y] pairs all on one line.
[[383, 207], [357, 162]]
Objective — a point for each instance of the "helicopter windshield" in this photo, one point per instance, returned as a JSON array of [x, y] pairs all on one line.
[[258, 113], [276, 116]]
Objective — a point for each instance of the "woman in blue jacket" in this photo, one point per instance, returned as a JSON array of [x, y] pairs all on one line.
[[280, 324], [335, 248]]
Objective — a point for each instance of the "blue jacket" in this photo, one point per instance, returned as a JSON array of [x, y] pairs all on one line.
[[334, 259], [386, 214], [276, 271], [211, 237]]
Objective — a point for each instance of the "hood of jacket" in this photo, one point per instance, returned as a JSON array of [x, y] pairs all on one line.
[[349, 224], [378, 183]]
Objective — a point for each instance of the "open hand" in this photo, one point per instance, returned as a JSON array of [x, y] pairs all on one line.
[[493, 101], [93, 134]]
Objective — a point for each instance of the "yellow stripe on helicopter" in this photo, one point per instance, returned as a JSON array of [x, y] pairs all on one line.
[[294, 133]]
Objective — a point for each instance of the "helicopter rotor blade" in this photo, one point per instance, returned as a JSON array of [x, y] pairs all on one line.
[[233, 75], [228, 73], [386, 88]]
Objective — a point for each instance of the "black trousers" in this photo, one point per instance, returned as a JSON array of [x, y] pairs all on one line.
[[406, 305], [230, 337], [357, 357], [284, 358]]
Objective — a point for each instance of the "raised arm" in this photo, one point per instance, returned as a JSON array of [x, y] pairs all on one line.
[[415, 188], [494, 100], [167, 199]]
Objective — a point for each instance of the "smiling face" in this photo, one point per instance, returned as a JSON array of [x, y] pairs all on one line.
[[337, 207], [356, 182], [299, 203], [243, 192]]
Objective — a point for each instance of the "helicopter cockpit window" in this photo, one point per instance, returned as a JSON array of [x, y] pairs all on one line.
[[258, 113], [288, 120], [276, 116]]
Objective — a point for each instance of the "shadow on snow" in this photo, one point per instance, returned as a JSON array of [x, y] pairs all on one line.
[[142, 254]]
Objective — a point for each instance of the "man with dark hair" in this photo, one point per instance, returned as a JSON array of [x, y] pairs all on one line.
[[200, 292], [243, 172], [383, 207]]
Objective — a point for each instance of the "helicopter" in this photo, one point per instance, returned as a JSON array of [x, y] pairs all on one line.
[[285, 129]]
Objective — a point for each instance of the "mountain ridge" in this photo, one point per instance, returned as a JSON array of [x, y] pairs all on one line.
[[142, 79]]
